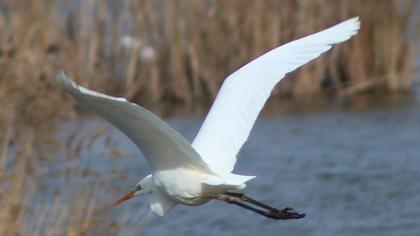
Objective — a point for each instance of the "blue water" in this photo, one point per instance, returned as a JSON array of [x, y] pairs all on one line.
[[353, 173]]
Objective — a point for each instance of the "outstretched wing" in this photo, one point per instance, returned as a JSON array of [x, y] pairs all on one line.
[[243, 94], [162, 146]]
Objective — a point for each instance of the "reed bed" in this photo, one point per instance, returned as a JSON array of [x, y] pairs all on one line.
[[159, 54], [179, 52]]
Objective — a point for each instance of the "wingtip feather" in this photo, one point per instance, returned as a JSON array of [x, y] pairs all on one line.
[[354, 23], [65, 82]]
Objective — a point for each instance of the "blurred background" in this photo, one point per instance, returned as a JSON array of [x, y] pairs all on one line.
[[338, 138]]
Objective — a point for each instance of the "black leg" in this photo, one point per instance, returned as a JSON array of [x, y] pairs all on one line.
[[245, 198], [273, 213], [243, 205]]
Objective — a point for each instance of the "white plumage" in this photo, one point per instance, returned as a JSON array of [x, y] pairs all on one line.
[[185, 173], [243, 94], [156, 139]]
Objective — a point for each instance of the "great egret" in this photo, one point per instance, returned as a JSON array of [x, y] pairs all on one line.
[[193, 174]]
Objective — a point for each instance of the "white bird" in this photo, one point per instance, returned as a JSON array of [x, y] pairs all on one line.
[[193, 174]]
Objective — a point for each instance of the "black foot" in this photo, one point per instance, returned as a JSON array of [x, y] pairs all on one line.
[[285, 214]]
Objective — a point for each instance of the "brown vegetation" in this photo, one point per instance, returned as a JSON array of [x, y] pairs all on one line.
[[174, 52], [180, 51]]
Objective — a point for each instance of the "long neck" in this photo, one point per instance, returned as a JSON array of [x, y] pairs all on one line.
[[147, 184]]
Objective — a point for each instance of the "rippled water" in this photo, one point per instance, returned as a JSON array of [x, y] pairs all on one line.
[[353, 173]]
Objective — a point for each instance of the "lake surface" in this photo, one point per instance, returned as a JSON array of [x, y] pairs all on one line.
[[353, 173]]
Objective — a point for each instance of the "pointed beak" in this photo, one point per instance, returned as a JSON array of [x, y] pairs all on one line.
[[124, 198]]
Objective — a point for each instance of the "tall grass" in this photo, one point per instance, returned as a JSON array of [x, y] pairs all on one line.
[[179, 52], [159, 53]]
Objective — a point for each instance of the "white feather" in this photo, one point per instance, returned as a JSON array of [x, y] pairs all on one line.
[[160, 204], [162, 146], [243, 94]]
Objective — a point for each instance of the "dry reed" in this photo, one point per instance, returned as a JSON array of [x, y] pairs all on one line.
[[179, 52]]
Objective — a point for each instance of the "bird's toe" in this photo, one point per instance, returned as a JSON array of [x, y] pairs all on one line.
[[285, 214]]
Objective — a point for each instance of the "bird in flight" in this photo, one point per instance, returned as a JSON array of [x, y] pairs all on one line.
[[193, 174]]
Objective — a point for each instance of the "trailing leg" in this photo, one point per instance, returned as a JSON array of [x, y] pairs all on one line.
[[270, 212]]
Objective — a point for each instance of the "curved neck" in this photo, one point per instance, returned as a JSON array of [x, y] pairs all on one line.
[[146, 184]]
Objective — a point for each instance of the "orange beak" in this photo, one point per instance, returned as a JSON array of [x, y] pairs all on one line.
[[124, 198]]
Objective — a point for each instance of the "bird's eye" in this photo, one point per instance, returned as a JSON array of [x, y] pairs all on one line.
[[137, 188]]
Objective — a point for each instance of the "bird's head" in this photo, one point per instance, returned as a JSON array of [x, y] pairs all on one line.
[[144, 186]]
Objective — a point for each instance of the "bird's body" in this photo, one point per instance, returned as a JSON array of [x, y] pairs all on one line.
[[184, 185], [172, 183], [190, 185], [193, 174]]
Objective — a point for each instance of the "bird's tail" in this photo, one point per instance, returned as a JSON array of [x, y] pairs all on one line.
[[230, 180]]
